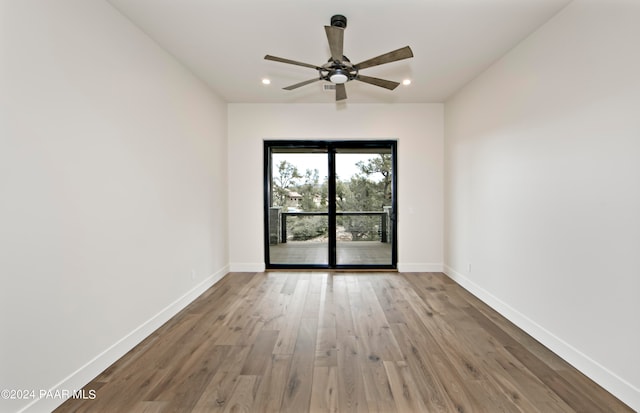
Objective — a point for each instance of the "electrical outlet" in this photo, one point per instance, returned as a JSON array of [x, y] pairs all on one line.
[[193, 274], [468, 268]]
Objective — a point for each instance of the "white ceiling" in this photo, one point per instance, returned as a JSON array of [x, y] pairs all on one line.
[[224, 42]]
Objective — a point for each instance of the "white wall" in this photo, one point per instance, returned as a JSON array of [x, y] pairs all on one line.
[[113, 183], [543, 189], [418, 128]]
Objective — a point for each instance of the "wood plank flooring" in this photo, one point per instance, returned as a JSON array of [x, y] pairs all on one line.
[[341, 342]]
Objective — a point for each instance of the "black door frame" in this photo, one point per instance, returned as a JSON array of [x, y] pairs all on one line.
[[330, 146]]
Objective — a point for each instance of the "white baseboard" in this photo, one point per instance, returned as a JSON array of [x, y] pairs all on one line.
[[420, 267], [78, 379], [247, 267], [617, 386], [402, 267]]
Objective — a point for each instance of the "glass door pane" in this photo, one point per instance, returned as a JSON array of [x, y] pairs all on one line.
[[364, 206], [298, 211]]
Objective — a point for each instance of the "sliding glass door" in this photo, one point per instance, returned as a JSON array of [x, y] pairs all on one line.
[[330, 204], [364, 206], [298, 213]]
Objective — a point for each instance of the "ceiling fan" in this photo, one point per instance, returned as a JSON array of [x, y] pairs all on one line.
[[339, 69]]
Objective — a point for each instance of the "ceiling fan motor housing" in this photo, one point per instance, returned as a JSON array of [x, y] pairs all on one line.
[[339, 21]]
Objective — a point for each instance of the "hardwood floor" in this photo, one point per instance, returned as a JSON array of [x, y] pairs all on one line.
[[340, 342]]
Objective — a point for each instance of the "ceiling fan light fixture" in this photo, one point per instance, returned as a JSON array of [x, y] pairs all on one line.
[[338, 77]]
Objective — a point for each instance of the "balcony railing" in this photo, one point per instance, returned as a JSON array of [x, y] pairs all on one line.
[[382, 230]]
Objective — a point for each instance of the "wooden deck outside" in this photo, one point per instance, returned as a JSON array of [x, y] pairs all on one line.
[[348, 252]]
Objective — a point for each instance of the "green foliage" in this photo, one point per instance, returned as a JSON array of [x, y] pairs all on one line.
[[303, 228], [367, 190], [309, 190], [363, 192], [362, 228], [286, 177], [374, 193]]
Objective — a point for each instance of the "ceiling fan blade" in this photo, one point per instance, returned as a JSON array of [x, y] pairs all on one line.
[[341, 92], [387, 84], [335, 36], [291, 62], [297, 85], [402, 53]]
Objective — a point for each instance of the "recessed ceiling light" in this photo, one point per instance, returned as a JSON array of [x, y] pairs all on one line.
[[406, 82], [266, 81]]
